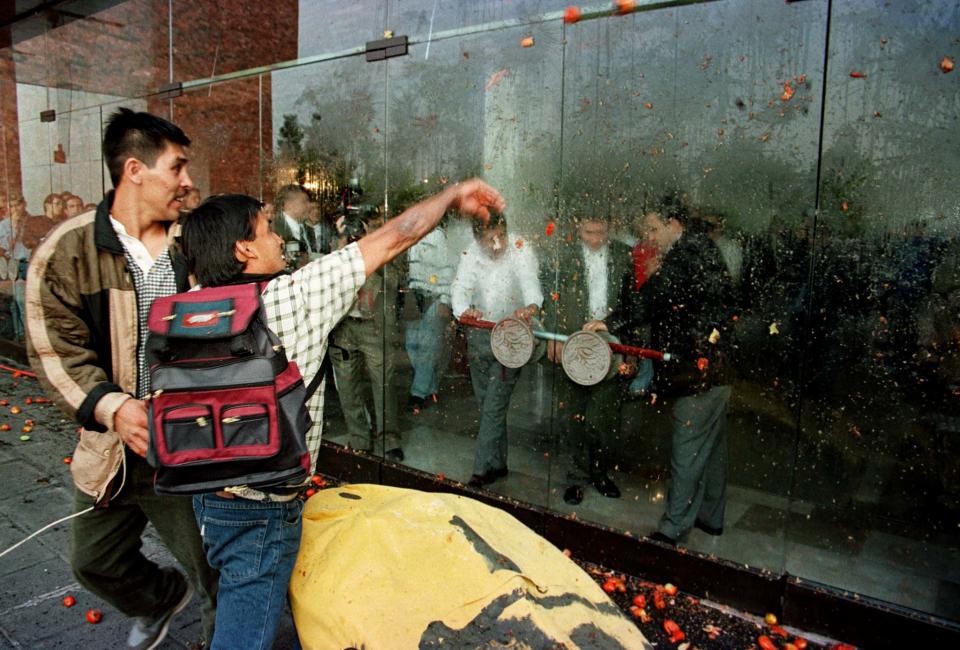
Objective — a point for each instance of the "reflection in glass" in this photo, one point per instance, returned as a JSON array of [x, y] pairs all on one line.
[[497, 277]]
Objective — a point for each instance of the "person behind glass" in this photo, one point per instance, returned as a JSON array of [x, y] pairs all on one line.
[[496, 278], [53, 208], [591, 271], [685, 305], [293, 207], [323, 231], [364, 347], [73, 206], [19, 235], [89, 290], [428, 282], [254, 538]]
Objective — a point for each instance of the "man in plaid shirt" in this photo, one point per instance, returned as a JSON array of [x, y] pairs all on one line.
[[252, 537]]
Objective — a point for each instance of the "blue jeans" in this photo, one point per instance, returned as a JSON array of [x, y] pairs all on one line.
[[254, 545], [425, 342]]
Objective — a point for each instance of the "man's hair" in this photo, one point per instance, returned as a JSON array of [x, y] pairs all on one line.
[[50, 197], [672, 205], [137, 135], [496, 220], [287, 191], [208, 235]]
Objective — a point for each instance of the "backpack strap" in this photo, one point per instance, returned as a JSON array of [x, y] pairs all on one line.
[[317, 378], [324, 365]]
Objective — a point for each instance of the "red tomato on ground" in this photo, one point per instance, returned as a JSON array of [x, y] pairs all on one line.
[[69, 601], [94, 616]]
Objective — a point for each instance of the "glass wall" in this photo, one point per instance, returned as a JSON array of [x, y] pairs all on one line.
[[762, 190]]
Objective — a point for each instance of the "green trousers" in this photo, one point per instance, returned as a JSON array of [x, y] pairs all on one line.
[[105, 548]]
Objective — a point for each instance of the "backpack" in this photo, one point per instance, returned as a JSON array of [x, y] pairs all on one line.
[[227, 407]]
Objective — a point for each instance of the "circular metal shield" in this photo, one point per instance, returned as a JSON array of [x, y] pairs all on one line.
[[512, 342], [586, 358], [4, 273]]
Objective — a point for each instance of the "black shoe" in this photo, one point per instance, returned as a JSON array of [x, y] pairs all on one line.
[[415, 404], [607, 487], [395, 454], [479, 480], [657, 536], [148, 633], [709, 530], [573, 495]]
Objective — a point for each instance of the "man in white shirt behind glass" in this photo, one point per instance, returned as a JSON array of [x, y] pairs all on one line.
[[497, 277]]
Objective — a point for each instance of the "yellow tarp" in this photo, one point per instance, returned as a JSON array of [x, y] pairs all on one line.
[[385, 568]]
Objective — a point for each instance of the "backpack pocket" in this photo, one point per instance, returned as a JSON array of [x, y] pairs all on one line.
[[245, 424], [188, 427]]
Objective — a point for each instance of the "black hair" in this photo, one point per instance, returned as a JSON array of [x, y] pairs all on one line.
[[209, 232], [673, 205], [286, 192], [496, 220], [137, 135]]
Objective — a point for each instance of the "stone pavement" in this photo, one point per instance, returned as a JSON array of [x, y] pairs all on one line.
[[35, 489]]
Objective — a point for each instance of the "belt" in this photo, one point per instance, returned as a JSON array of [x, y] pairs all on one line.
[[245, 492]]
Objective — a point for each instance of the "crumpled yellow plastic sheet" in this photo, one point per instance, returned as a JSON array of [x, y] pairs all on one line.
[[388, 568]]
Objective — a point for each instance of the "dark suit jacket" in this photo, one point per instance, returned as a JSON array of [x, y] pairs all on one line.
[[281, 228], [681, 304], [570, 311]]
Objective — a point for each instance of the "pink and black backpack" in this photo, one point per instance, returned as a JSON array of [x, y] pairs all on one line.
[[227, 407]]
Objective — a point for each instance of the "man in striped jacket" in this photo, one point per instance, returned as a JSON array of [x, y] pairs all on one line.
[[88, 294]]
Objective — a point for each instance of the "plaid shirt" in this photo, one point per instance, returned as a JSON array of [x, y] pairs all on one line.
[[160, 281], [303, 307]]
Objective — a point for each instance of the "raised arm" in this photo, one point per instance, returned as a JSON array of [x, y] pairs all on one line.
[[473, 198]]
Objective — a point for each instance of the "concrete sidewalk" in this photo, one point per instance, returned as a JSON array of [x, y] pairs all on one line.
[[35, 489]]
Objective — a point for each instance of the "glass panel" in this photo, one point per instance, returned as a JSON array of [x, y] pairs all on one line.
[[421, 19], [223, 122], [878, 488], [478, 105], [331, 25], [327, 124], [697, 106]]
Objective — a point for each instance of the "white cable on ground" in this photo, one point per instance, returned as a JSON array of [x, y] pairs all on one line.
[[123, 480]]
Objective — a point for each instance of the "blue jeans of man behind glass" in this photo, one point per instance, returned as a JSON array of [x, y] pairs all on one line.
[[425, 345], [254, 545]]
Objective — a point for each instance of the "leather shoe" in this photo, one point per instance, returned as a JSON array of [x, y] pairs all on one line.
[[657, 536], [607, 487], [709, 530], [573, 495], [479, 480]]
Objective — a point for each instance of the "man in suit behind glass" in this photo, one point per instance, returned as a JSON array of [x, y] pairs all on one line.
[[590, 272]]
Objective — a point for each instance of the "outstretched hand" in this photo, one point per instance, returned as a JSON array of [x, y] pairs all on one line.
[[475, 198]]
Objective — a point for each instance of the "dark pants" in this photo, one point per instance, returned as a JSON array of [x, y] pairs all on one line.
[[492, 385], [106, 542], [589, 424], [698, 462], [358, 350]]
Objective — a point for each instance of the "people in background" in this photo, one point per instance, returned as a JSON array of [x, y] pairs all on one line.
[[73, 206], [363, 351], [427, 300], [53, 208], [293, 208]]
